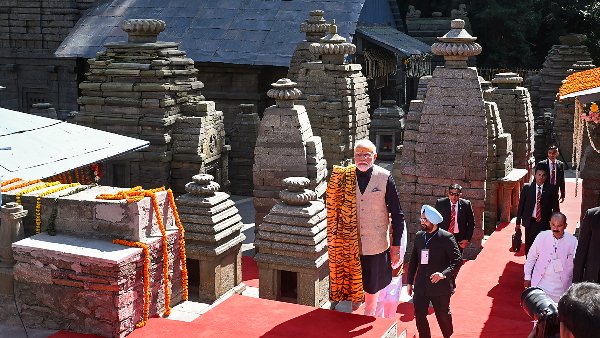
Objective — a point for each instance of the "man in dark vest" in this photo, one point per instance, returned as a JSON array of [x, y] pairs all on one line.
[[434, 262]]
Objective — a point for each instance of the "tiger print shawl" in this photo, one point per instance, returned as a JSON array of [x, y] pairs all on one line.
[[345, 273]]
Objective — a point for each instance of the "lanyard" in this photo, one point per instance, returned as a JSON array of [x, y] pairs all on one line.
[[430, 238]]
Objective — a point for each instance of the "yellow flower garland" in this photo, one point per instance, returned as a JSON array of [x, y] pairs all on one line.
[[34, 188], [146, 253], [38, 204]]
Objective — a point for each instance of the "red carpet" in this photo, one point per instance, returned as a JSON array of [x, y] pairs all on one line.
[[486, 303]]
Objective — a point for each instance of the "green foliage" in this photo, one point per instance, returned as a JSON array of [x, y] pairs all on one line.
[[519, 33]]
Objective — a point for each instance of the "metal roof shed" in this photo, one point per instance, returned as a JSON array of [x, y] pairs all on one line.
[[37, 147]]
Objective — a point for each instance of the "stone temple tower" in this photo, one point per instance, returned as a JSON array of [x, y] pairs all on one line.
[[335, 97], [315, 28], [450, 144]]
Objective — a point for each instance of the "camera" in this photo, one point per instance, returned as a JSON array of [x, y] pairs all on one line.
[[538, 306]]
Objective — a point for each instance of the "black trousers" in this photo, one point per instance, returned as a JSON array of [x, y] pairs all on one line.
[[441, 306], [532, 231]]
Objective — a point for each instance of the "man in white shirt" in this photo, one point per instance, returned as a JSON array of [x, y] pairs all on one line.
[[549, 264]]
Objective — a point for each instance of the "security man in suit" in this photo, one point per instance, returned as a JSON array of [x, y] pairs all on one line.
[[587, 263], [555, 170], [539, 199], [459, 219], [434, 262]]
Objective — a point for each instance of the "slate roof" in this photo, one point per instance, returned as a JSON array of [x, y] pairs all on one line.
[[393, 40], [253, 32], [41, 147]]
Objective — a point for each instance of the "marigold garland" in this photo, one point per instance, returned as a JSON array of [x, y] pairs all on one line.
[[20, 185], [34, 188], [11, 181], [182, 256], [146, 253], [136, 194], [38, 204], [583, 80]]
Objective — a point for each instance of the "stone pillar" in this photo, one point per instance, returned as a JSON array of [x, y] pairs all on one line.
[[335, 97], [514, 104], [11, 230], [448, 142], [213, 238], [556, 66], [387, 129], [563, 118], [292, 260], [315, 28], [285, 147], [243, 141], [148, 89]]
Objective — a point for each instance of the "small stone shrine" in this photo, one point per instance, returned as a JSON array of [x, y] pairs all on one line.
[[148, 89], [335, 97], [243, 141], [563, 118], [387, 129], [78, 279], [11, 230], [293, 263], [516, 114], [213, 238], [449, 142], [559, 60], [315, 28], [285, 147]]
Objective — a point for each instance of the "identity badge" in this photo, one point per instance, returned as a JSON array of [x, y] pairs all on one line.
[[425, 256], [557, 264]]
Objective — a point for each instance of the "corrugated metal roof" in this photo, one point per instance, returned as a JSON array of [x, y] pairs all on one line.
[[393, 40], [43, 147], [254, 32]]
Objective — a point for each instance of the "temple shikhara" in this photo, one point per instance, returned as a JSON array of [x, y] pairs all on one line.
[[164, 164]]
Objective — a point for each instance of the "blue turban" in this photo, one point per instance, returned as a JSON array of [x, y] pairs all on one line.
[[432, 215]]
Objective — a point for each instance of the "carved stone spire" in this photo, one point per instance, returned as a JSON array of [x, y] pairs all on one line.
[[143, 30], [333, 47], [202, 185], [315, 27], [457, 45], [296, 192], [284, 92]]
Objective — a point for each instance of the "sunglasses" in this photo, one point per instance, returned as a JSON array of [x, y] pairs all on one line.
[[454, 193]]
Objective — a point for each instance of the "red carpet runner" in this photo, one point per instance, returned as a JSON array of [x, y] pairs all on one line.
[[486, 303]]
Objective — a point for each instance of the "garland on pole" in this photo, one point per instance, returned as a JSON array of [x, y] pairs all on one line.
[[146, 253]]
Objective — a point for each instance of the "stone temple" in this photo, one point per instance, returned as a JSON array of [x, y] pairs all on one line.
[[451, 142]]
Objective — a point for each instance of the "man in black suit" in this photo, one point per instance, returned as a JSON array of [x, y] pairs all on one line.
[[587, 257], [555, 170], [434, 261], [459, 219], [537, 203]]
